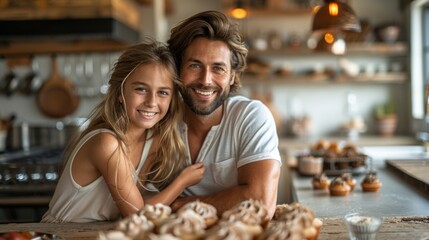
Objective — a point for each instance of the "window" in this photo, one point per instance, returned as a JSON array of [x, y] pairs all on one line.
[[419, 46]]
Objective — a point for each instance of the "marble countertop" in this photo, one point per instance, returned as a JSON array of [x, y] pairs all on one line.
[[397, 196]]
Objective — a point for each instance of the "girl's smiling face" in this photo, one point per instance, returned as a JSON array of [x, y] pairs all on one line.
[[147, 94]]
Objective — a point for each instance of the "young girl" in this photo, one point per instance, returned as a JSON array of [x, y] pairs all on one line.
[[131, 133]]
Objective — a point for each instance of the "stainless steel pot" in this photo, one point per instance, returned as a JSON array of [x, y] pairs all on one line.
[[18, 137], [25, 136]]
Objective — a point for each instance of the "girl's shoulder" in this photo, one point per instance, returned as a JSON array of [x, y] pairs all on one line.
[[102, 143]]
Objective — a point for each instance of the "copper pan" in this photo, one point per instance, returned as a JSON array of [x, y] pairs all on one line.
[[57, 97]]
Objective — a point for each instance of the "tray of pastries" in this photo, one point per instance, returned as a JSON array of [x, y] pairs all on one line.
[[247, 220], [340, 159]]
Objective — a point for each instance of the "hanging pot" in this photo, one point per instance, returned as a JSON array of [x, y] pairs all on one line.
[[57, 97]]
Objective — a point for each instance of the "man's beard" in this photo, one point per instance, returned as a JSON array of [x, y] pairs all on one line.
[[186, 95]]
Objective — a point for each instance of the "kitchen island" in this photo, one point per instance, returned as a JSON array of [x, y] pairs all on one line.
[[333, 228]]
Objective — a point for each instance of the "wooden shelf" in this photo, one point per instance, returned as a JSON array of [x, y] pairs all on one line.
[[388, 77], [58, 47], [265, 12], [379, 78], [395, 49]]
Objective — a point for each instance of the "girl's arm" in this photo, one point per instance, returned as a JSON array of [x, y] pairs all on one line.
[[188, 177], [111, 163]]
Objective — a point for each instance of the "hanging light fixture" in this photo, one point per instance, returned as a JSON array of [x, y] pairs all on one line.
[[335, 15], [332, 42], [238, 11]]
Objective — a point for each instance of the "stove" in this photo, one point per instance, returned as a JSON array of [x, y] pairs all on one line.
[[27, 183], [33, 172]]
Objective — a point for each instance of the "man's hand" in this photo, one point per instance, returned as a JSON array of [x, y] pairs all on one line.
[[179, 202], [258, 180]]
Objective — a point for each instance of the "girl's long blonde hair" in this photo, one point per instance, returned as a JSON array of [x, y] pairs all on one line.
[[168, 159]]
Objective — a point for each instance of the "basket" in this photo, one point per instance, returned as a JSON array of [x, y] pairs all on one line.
[[339, 165]]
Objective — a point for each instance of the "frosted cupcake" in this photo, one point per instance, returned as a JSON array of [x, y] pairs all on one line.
[[155, 213], [301, 219], [206, 211], [188, 225], [135, 225], [320, 181], [371, 183], [229, 231]]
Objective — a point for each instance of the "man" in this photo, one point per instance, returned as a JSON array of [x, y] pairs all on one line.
[[233, 136]]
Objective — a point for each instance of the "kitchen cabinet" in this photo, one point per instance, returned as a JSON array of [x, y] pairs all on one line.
[[59, 47], [40, 27]]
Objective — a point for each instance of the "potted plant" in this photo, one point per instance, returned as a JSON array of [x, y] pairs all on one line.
[[386, 119]]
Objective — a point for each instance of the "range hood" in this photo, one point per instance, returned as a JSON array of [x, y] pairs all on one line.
[[28, 27], [68, 29]]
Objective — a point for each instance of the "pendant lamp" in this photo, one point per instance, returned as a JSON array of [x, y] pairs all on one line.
[[332, 42], [335, 15], [238, 11]]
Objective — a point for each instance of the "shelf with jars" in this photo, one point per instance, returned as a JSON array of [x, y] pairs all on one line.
[[322, 78], [354, 48], [391, 70]]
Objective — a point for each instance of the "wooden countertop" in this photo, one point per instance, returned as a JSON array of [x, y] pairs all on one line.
[[333, 228]]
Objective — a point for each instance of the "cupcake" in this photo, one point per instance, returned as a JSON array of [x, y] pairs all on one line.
[[251, 210], [339, 187], [225, 230], [349, 150], [348, 178], [282, 230], [252, 213], [206, 211], [319, 147], [342, 164], [300, 218], [155, 213], [188, 225], [134, 226], [320, 181], [371, 183]]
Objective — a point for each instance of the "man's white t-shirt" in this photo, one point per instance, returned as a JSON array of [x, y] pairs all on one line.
[[247, 133]]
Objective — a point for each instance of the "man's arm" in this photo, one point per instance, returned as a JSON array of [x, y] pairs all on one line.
[[257, 180]]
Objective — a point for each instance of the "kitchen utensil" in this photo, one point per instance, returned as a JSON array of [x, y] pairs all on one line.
[[3, 135], [104, 71], [18, 137], [26, 136], [309, 165], [84, 76], [32, 81], [57, 97], [11, 83], [387, 33]]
